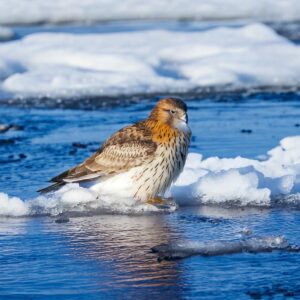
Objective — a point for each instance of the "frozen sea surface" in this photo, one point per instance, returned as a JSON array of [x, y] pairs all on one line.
[[109, 255]]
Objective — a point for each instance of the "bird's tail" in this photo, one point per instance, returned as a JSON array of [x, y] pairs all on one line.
[[52, 188]]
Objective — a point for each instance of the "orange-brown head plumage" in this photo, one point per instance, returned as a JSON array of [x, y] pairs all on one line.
[[170, 111], [168, 119]]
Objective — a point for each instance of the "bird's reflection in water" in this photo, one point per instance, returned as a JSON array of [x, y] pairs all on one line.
[[118, 247], [121, 245]]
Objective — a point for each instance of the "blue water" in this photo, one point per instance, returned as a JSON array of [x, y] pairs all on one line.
[[108, 256]]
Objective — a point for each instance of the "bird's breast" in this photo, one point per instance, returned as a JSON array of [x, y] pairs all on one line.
[[157, 175]]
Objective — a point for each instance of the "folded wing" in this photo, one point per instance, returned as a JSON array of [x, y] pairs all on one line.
[[128, 148]]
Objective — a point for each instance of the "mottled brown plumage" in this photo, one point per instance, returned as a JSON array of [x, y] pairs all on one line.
[[152, 152]]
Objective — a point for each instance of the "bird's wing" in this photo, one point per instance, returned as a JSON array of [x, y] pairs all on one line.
[[129, 147]]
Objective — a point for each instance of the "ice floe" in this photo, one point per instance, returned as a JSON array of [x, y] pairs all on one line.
[[146, 61], [184, 249], [40, 11], [73, 199], [217, 181]]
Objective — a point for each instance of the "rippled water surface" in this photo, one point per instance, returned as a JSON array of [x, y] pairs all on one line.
[[108, 256]]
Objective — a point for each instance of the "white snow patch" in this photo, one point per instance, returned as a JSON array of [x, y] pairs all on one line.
[[149, 61], [236, 182], [41, 11], [12, 206], [241, 181]]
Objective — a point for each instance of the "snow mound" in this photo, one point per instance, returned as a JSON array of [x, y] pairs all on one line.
[[212, 248], [12, 206], [217, 181], [41, 11], [242, 181], [147, 61]]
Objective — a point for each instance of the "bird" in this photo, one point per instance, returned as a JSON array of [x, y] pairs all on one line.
[[139, 161]]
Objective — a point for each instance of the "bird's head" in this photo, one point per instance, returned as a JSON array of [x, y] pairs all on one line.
[[171, 111]]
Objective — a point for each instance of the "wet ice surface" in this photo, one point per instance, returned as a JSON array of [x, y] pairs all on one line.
[[252, 245], [109, 255]]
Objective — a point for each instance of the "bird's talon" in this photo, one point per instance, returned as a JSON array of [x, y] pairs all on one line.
[[156, 201]]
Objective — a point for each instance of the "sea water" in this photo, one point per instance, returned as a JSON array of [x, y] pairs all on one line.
[[108, 255]]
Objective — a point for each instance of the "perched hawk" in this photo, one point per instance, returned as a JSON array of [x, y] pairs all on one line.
[[138, 161]]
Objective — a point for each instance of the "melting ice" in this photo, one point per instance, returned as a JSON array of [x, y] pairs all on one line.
[[178, 250], [219, 181]]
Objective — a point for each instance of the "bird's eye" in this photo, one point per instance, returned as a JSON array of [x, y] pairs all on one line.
[[172, 112]]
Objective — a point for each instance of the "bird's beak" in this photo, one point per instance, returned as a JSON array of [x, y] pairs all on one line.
[[184, 118]]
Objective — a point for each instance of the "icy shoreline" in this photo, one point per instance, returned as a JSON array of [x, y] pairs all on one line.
[[67, 66], [236, 182]]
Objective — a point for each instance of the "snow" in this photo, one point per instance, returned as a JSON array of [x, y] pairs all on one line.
[[12, 206], [73, 199], [217, 181], [63, 11], [241, 181], [147, 61]]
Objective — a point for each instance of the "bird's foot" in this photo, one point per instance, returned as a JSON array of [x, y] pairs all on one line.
[[163, 204], [156, 201]]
